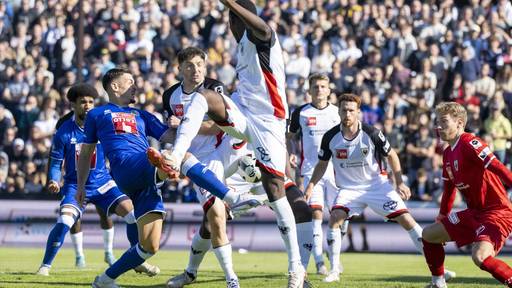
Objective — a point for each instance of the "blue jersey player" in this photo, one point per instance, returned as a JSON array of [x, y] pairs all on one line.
[[100, 189], [123, 133]]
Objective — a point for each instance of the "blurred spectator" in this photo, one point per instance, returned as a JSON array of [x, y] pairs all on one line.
[[500, 130]]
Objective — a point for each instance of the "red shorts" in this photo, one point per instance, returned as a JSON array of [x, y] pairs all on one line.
[[468, 226]]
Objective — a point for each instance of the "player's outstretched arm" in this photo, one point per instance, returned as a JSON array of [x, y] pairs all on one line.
[[253, 22], [394, 162], [318, 173], [82, 170]]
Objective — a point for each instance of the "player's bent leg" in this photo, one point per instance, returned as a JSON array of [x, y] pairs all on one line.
[[433, 236], [483, 256], [56, 237], [108, 236]]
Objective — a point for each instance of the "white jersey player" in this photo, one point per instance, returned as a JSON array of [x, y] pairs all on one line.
[[310, 121], [257, 114]]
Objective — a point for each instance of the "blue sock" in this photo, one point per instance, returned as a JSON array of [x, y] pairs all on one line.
[[55, 241], [130, 259], [132, 233], [206, 179]]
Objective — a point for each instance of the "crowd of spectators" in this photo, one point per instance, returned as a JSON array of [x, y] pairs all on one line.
[[402, 58]]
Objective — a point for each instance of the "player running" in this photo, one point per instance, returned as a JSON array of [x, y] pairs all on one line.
[[310, 122], [470, 167], [100, 189], [256, 114]]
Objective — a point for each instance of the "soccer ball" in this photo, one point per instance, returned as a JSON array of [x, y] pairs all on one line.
[[248, 170]]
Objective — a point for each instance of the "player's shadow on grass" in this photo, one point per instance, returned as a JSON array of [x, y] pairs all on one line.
[[219, 280], [45, 284], [423, 279]]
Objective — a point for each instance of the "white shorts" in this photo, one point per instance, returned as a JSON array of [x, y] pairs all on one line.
[[223, 158], [381, 198], [324, 192], [265, 133], [241, 186]]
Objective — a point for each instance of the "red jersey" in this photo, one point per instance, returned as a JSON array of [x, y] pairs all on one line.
[[465, 168]]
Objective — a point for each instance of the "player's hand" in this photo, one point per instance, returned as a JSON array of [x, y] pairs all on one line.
[[293, 160], [440, 217], [53, 187], [173, 121], [309, 191], [80, 197], [404, 191]]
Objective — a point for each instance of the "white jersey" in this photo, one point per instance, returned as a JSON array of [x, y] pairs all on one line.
[[358, 163], [312, 123], [176, 101], [260, 69]]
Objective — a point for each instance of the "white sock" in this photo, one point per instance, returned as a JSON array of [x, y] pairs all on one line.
[[334, 247], [104, 277], [318, 238], [286, 225], [78, 243], [108, 240], [198, 249], [223, 254], [305, 239], [415, 234], [439, 280]]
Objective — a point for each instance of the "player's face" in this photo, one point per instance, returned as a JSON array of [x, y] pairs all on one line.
[[82, 106], [194, 70], [448, 127], [349, 113], [319, 90], [124, 86]]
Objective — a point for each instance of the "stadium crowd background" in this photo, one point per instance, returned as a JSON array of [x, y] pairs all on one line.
[[401, 57]]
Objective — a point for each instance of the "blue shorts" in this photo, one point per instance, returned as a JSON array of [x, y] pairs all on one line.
[[137, 178], [106, 197]]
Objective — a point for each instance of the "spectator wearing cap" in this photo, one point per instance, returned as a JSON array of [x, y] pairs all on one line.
[[500, 130]]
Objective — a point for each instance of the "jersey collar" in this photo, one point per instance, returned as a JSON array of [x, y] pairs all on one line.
[[73, 118], [193, 91], [359, 124], [456, 142]]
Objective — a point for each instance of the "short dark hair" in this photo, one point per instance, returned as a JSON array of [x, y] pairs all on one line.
[[189, 53], [111, 75], [348, 97], [81, 90]]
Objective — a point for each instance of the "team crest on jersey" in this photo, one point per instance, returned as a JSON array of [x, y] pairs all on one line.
[[364, 151], [178, 110], [124, 123], [341, 153], [456, 165], [311, 121], [475, 143]]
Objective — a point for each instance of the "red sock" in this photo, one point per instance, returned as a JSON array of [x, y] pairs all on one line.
[[499, 270], [434, 254]]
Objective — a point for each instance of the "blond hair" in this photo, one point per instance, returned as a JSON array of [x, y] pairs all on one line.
[[456, 110], [316, 77]]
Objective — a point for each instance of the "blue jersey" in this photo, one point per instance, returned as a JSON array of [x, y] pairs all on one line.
[[122, 131], [66, 146]]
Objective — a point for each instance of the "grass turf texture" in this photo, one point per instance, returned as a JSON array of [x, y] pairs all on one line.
[[261, 270]]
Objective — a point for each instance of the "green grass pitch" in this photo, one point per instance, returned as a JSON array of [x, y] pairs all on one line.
[[255, 269]]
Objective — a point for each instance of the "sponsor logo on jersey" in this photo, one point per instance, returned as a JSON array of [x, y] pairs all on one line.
[[341, 153], [178, 110], [311, 121], [390, 205], [456, 165], [484, 153], [124, 123], [475, 143]]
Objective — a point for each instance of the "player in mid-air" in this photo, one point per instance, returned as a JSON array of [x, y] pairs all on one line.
[[470, 167], [257, 114], [310, 121], [357, 152], [136, 169], [101, 190]]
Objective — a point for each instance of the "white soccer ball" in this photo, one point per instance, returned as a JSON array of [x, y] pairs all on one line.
[[248, 170]]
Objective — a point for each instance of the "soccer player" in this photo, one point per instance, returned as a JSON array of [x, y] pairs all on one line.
[[357, 152], [136, 168], [257, 114], [310, 122], [470, 167], [101, 190]]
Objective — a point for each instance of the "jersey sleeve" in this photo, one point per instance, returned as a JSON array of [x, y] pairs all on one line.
[[58, 144], [216, 86], [325, 152], [154, 127], [478, 151], [261, 43], [295, 120], [380, 141], [166, 99], [90, 128]]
